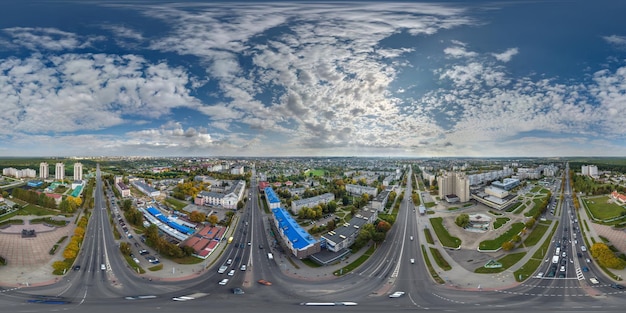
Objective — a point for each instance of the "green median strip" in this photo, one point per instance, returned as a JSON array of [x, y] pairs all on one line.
[[431, 269]]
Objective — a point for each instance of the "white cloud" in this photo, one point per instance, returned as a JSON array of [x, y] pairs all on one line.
[[53, 39], [459, 52], [72, 92], [616, 40], [124, 32], [507, 55]]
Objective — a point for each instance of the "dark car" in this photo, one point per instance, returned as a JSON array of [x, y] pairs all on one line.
[[585, 269], [260, 246], [77, 268], [617, 286], [238, 291]]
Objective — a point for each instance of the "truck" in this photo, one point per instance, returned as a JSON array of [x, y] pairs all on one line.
[[270, 256], [555, 259], [222, 269]]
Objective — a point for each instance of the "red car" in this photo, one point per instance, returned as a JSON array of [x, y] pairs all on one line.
[[264, 282]]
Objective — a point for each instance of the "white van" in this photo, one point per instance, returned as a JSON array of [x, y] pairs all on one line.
[[270, 256]]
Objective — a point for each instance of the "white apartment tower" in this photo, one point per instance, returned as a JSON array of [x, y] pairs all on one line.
[[59, 171], [78, 171], [44, 170], [454, 183], [589, 170]]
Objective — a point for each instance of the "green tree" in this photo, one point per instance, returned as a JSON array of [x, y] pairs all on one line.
[[125, 248], [462, 220]]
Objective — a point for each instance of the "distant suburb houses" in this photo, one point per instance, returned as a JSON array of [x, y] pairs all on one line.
[[227, 199]]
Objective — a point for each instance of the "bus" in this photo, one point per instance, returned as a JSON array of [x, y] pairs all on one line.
[[230, 239]]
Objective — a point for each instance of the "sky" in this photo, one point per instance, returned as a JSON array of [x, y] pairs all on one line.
[[286, 78]]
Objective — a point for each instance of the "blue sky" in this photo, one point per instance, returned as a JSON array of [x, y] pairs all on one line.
[[410, 79]]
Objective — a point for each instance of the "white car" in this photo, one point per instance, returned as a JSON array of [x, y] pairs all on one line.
[[223, 282], [540, 274], [231, 273], [243, 267], [411, 237], [229, 261], [396, 294], [183, 298], [412, 261]]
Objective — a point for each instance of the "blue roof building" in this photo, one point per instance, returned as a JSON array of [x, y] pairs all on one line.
[[298, 241], [273, 201]]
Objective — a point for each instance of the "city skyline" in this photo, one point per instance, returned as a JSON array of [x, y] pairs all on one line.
[[281, 79]]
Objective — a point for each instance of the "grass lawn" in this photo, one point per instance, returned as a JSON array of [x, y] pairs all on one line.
[[500, 221], [514, 207], [540, 253], [506, 261], [429, 237], [535, 209], [350, 267], [177, 204], [430, 267], [317, 172], [528, 269], [494, 244], [443, 264], [534, 237], [429, 204], [442, 233], [535, 189], [603, 210]]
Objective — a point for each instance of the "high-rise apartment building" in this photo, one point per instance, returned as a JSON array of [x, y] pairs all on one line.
[[59, 171], [44, 170], [78, 171], [589, 170], [453, 186]]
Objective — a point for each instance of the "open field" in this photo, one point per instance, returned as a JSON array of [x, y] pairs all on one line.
[[602, 208]]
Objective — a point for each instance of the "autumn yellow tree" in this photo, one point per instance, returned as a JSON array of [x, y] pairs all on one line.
[[79, 232], [606, 257], [197, 216], [213, 219]]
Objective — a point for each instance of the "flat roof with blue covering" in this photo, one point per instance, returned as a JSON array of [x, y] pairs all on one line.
[[272, 197], [170, 223], [298, 237], [76, 191]]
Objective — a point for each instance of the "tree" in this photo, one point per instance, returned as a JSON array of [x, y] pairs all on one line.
[[606, 257], [462, 220], [125, 248], [197, 216], [127, 204], [383, 226], [516, 238], [508, 246], [213, 219]]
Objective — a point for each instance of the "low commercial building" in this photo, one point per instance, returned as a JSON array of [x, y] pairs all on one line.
[[145, 188]]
